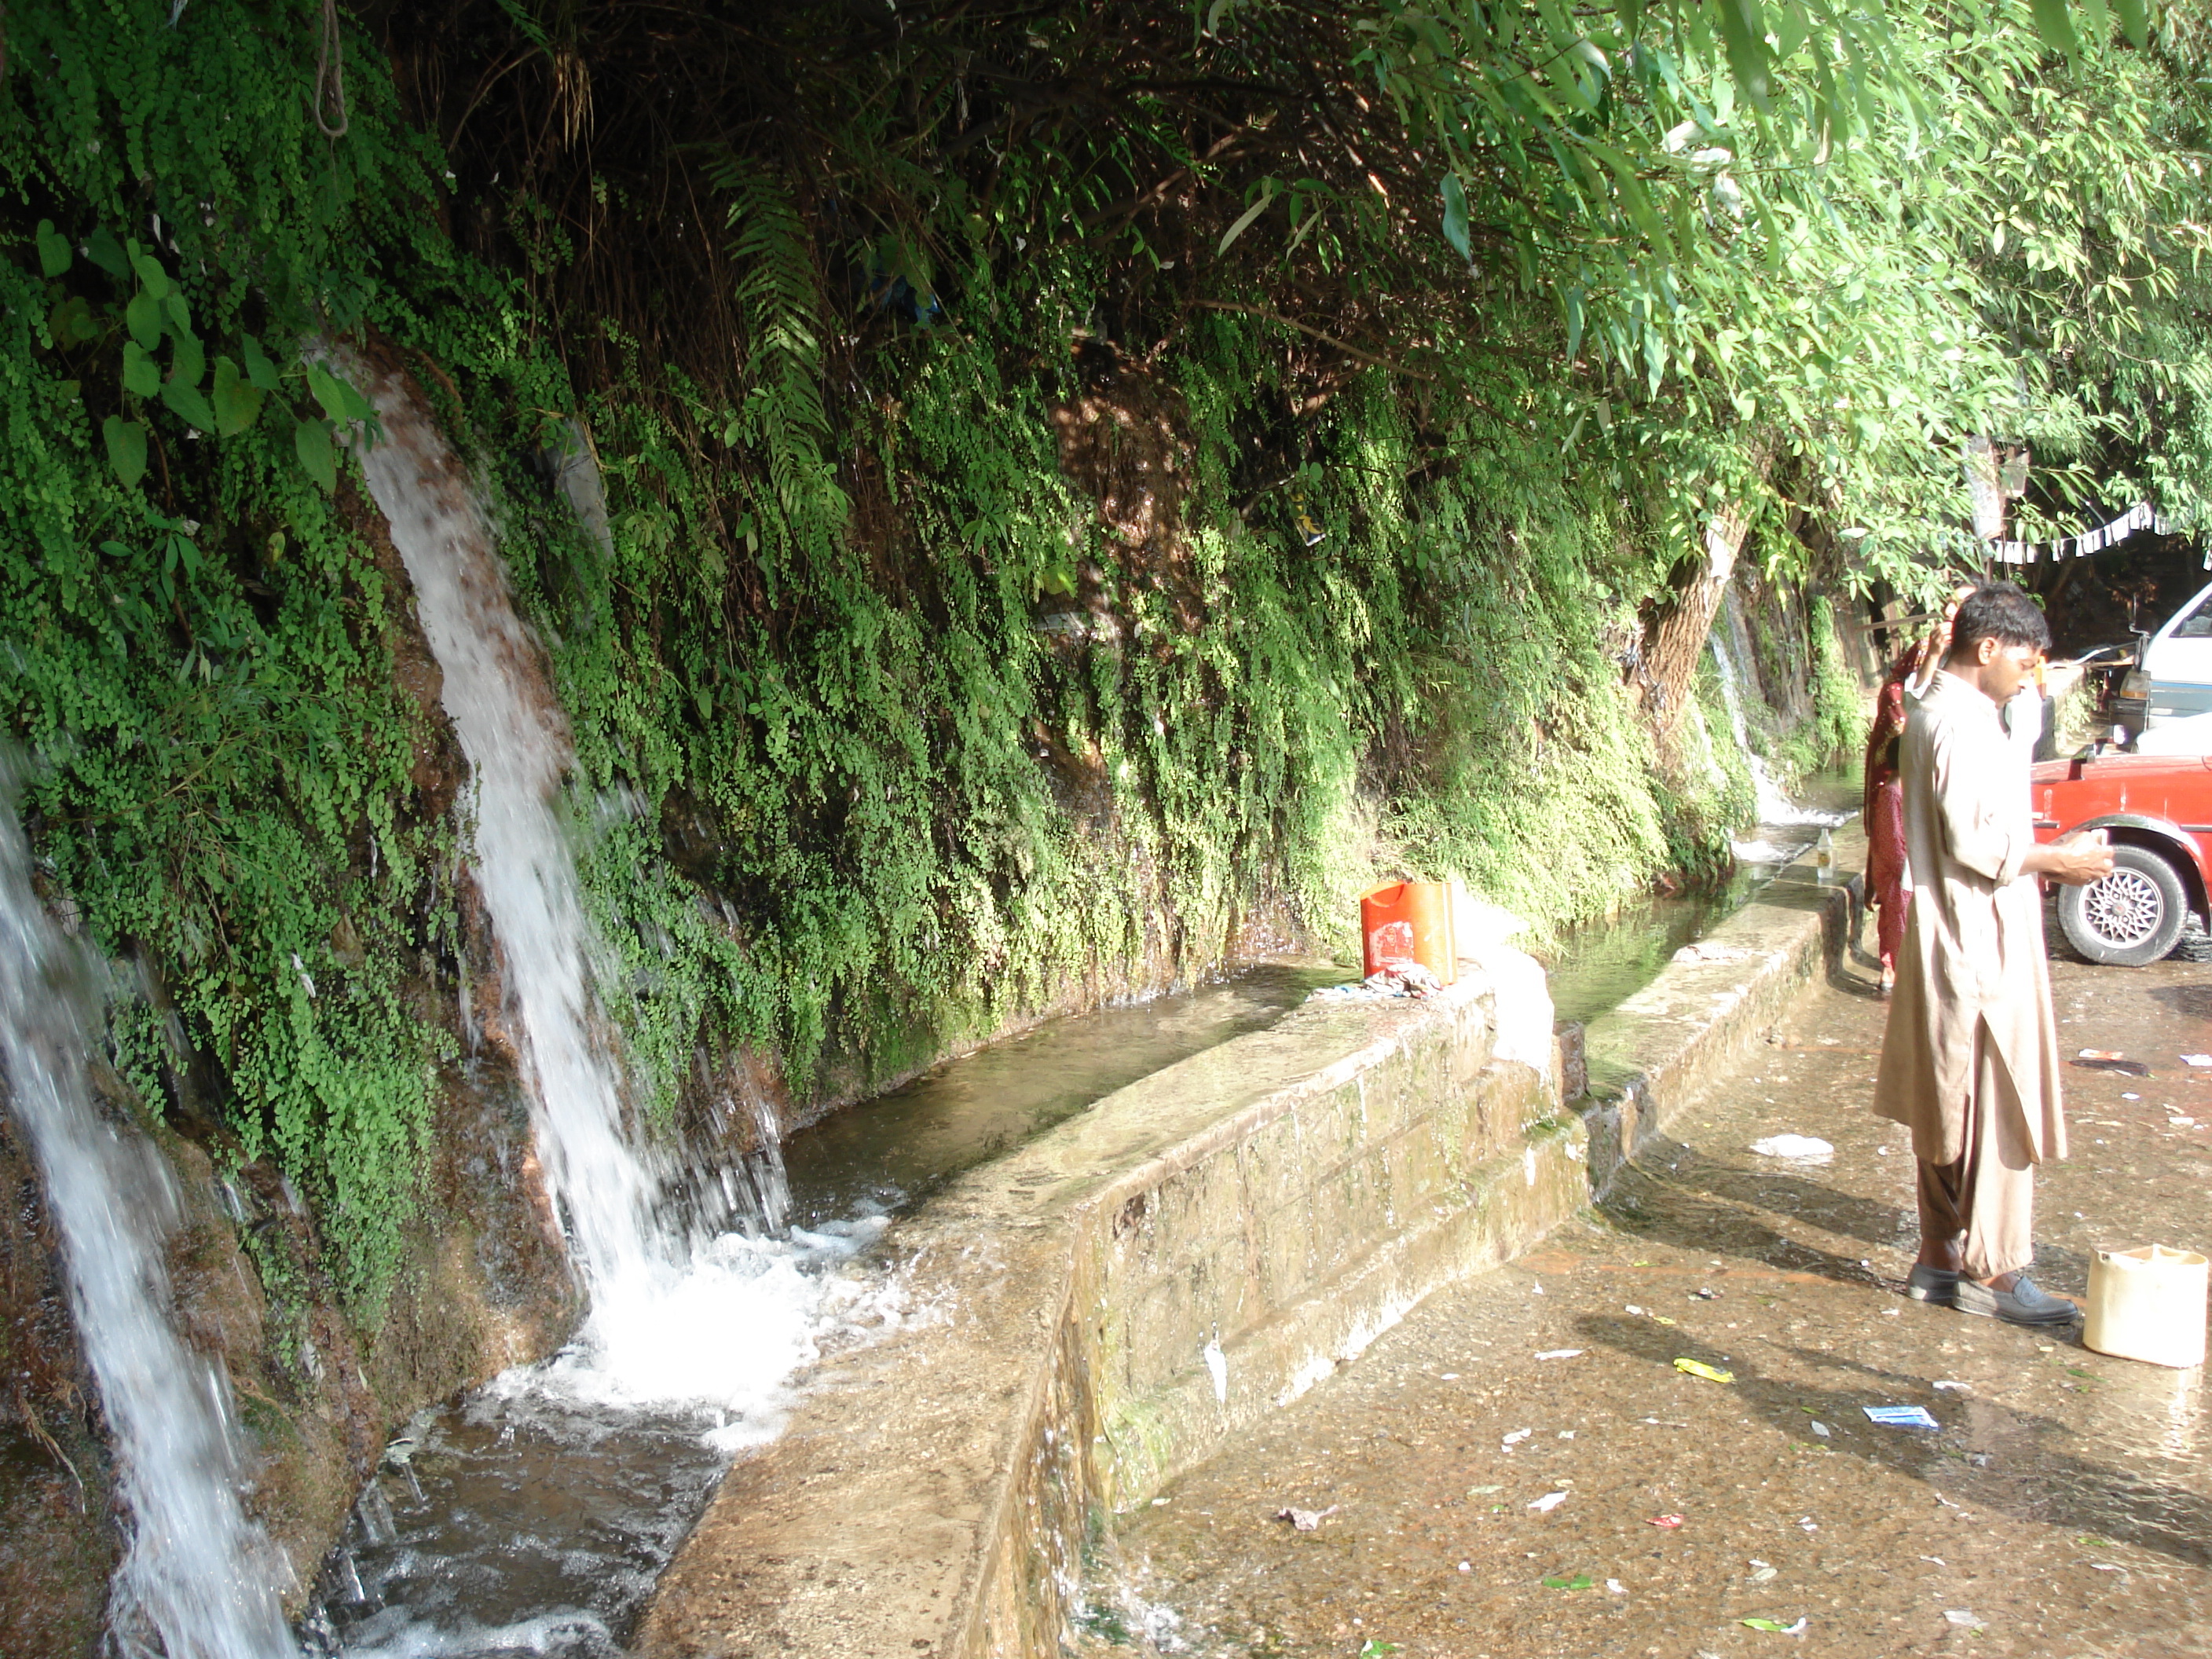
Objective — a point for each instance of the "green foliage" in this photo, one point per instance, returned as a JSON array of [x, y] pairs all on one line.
[[197, 657]]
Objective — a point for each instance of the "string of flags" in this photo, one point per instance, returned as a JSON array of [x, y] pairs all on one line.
[[2138, 517]]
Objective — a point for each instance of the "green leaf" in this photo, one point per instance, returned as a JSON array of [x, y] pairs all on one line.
[[150, 273], [70, 323], [1581, 1581], [2055, 23], [104, 251], [1743, 31], [126, 448], [258, 369], [53, 250], [141, 374], [189, 404], [2135, 18], [311, 440], [357, 405], [237, 404], [142, 317], [330, 392], [179, 312], [1456, 216], [1774, 1625], [1266, 198], [188, 360]]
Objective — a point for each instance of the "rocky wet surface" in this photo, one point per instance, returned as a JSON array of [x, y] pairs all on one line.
[[1519, 1470]]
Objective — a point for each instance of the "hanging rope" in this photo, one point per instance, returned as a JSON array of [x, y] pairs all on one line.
[[330, 77]]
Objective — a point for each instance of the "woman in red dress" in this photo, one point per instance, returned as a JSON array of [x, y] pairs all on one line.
[[1881, 807]]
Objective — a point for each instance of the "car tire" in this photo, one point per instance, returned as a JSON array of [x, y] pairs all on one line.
[[2130, 918]]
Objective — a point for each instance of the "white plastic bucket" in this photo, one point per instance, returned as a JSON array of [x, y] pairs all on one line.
[[2148, 1304]]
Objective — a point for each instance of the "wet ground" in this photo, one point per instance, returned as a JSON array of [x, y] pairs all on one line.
[[2063, 1507]]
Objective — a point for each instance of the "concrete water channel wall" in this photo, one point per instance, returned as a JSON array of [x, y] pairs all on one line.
[[1102, 1309]]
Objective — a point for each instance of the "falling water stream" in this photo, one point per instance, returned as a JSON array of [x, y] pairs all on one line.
[[1773, 804], [197, 1579]]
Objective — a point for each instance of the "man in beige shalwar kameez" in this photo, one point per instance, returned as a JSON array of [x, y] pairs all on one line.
[[1970, 1063]]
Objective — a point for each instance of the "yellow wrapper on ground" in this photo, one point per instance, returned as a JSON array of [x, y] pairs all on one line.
[[1699, 1368]]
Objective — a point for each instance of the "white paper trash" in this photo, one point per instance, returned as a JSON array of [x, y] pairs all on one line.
[[2148, 1304]]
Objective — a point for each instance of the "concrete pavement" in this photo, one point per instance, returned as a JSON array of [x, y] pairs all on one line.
[[2062, 1508]]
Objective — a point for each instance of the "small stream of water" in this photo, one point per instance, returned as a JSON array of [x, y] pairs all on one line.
[[197, 1579]]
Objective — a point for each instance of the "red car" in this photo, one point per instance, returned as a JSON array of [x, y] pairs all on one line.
[[2156, 810]]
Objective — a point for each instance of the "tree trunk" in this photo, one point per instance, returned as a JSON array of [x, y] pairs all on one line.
[[1665, 673]]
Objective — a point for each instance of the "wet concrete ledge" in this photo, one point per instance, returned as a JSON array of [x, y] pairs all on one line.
[[1104, 1308], [1655, 1051]]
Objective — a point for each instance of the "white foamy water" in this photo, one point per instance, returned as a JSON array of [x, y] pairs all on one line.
[[712, 1323], [196, 1579], [722, 1334]]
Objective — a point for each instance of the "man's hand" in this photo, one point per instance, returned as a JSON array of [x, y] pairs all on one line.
[[2076, 860]]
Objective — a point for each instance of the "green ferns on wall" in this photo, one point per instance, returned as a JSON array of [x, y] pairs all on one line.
[[197, 661]]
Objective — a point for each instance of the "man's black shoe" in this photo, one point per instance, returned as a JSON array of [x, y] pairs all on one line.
[[1936, 1284], [2023, 1304]]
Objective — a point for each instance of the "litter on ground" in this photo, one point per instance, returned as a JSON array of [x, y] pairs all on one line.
[[2110, 1059], [1965, 1619], [1699, 1368], [1664, 1521], [1900, 1417], [1775, 1626], [1804, 1149], [2199, 1060], [1548, 1501], [1560, 1353], [1397, 979], [1305, 1520]]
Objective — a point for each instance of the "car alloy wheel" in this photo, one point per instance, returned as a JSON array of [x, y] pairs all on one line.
[[2133, 916], [2125, 908]]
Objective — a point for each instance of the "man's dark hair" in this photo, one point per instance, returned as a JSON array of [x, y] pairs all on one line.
[[1999, 611]]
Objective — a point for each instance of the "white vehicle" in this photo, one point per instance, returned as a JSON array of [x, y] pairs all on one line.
[[2177, 664], [2191, 734]]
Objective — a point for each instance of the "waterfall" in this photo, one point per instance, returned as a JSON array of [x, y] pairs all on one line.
[[1772, 806], [195, 1581], [516, 739], [716, 1321]]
